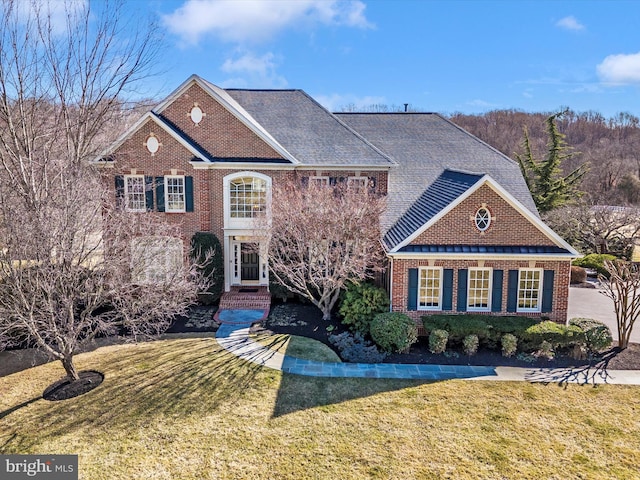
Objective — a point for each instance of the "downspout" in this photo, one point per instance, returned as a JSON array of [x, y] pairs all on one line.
[[391, 287]]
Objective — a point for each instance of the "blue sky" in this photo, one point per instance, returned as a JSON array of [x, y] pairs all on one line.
[[445, 56]]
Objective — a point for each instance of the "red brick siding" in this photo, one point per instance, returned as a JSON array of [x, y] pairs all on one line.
[[219, 132], [508, 226], [562, 268]]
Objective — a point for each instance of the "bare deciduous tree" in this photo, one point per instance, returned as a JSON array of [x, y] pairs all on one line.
[[320, 237], [72, 266], [623, 287]]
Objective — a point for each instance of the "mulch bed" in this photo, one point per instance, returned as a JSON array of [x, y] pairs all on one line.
[[63, 389], [306, 321]]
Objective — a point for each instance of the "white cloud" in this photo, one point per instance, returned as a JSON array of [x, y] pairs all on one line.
[[59, 13], [482, 104], [337, 102], [620, 69], [253, 70], [252, 21], [570, 23]]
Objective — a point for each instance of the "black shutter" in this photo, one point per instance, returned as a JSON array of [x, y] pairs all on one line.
[[447, 289], [188, 193], [412, 299], [496, 293], [148, 193], [462, 289], [304, 181], [512, 291], [547, 291], [160, 194], [120, 191]]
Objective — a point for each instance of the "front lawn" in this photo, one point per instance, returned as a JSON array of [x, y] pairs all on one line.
[[182, 408]]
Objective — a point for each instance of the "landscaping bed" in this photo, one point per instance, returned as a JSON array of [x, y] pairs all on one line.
[[306, 320]]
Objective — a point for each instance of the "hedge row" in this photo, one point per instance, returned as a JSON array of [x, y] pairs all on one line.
[[531, 334]]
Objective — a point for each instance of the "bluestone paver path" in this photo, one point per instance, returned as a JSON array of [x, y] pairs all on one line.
[[234, 337]]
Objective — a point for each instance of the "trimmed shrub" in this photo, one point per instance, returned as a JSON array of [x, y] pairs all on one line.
[[470, 344], [438, 341], [509, 344], [545, 350], [207, 253], [279, 291], [458, 326], [578, 274], [394, 331], [354, 348], [489, 329], [558, 336], [360, 304], [597, 336], [595, 261]]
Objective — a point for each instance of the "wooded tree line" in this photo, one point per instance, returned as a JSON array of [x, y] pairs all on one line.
[[609, 146]]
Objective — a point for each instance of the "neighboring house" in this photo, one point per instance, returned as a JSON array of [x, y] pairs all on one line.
[[461, 230]]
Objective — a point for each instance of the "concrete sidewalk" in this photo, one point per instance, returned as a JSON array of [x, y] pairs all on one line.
[[234, 337]]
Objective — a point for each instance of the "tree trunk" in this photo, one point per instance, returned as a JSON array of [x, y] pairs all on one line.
[[70, 368]]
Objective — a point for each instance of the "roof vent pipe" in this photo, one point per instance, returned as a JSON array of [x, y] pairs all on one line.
[[406, 107]]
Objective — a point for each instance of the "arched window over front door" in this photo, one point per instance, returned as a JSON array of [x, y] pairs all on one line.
[[247, 197]]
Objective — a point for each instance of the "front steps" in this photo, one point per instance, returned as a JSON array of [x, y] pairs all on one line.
[[246, 298]]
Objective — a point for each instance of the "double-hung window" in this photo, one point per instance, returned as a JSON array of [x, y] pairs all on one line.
[[174, 193], [529, 290], [479, 290], [430, 289], [134, 193]]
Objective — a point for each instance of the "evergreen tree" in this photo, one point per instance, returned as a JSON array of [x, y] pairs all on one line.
[[548, 187]]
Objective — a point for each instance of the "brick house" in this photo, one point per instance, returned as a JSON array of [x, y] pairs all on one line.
[[461, 231]]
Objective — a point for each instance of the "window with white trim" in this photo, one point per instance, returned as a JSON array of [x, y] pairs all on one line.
[[174, 193], [156, 259], [479, 290], [483, 219], [134, 193], [247, 197], [319, 181], [529, 290], [359, 184], [430, 289]]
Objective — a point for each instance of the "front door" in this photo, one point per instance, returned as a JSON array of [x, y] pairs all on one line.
[[249, 262]]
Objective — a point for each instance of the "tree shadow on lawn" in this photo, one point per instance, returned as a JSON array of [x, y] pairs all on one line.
[[142, 381], [298, 392]]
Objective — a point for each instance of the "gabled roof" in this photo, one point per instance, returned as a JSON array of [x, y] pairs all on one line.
[[426, 144], [446, 189], [198, 153], [463, 185], [296, 126]]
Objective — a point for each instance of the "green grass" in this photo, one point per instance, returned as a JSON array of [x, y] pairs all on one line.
[[298, 347], [184, 409]]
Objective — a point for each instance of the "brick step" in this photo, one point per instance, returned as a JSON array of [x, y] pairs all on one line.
[[236, 300]]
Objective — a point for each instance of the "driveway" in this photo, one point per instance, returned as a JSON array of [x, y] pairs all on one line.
[[590, 303]]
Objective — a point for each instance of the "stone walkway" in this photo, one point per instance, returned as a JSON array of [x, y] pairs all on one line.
[[233, 336]]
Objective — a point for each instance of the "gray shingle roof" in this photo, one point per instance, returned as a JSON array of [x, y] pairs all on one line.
[[424, 145], [444, 190], [307, 130]]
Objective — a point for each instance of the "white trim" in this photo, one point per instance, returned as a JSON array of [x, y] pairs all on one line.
[[482, 256], [206, 165], [126, 194], [489, 289], [166, 194], [136, 126], [242, 223], [233, 107], [440, 289], [519, 207], [538, 309]]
